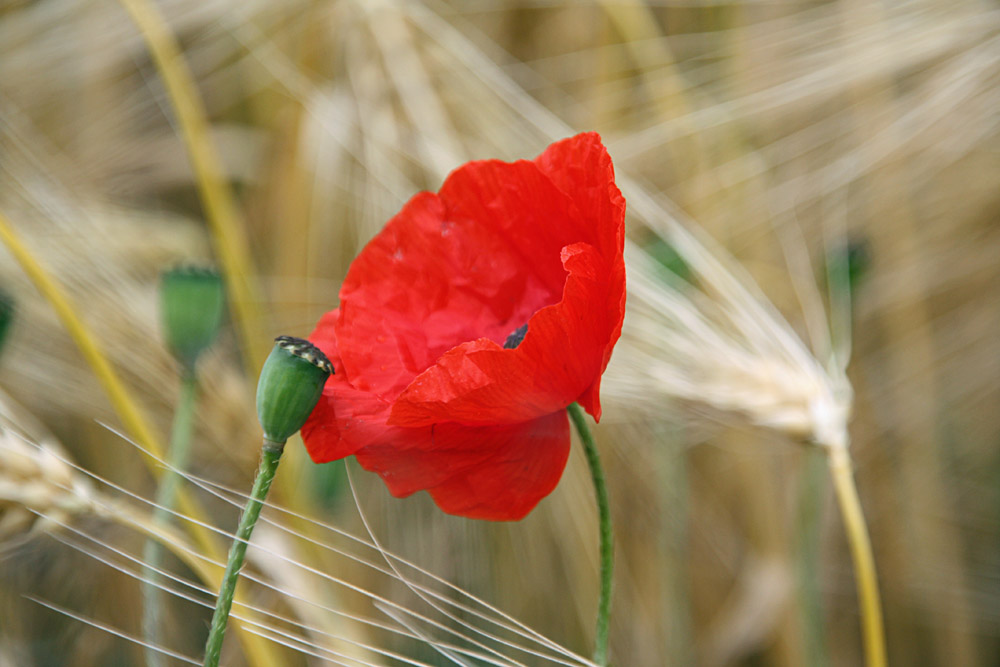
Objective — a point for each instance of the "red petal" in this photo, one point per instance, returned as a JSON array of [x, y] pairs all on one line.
[[498, 472], [343, 421], [324, 337], [590, 399], [562, 355], [474, 262], [581, 167], [345, 418], [435, 278]]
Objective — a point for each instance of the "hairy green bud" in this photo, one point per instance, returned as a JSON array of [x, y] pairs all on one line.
[[290, 386]]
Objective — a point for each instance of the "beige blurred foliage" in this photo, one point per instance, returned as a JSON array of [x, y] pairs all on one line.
[[754, 142]]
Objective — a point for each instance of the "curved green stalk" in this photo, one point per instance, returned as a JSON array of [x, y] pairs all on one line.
[[270, 457], [607, 541], [180, 448], [814, 487]]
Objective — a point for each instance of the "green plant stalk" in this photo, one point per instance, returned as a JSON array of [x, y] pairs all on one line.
[[675, 493], [814, 487], [166, 494], [607, 541], [270, 456]]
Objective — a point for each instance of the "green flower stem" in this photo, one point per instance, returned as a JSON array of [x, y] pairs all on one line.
[[675, 535], [810, 514], [607, 542], [180, 449], [270, 457]]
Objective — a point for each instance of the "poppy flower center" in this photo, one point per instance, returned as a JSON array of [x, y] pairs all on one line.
[[516, 337]]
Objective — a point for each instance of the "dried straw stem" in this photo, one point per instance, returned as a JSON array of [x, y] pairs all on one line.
[[96, 359], [861, 552]]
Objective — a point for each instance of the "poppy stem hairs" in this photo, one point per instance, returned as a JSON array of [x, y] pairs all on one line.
[[289, 387], [607, 541]]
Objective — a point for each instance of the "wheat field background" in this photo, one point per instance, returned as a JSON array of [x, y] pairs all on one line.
[[813, 258]]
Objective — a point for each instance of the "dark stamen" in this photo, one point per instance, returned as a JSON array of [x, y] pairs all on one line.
[[515, 338]]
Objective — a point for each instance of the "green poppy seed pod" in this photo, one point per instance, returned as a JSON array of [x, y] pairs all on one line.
[[192, 301], [290, 386]]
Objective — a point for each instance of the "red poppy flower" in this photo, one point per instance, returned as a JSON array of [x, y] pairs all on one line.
[[438, 386]]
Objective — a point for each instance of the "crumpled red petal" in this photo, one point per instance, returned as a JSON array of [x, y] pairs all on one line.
[[581, 165], [498, 473], [562, 353], [345, 418], [568, 345], [475, 261]]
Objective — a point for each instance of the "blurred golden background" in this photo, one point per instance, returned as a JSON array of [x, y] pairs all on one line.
[[813, 208]]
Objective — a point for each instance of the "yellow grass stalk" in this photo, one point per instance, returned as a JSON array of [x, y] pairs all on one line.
[[258, 651], [872, 628], [221, 212], [127, 411], [936, 540]]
